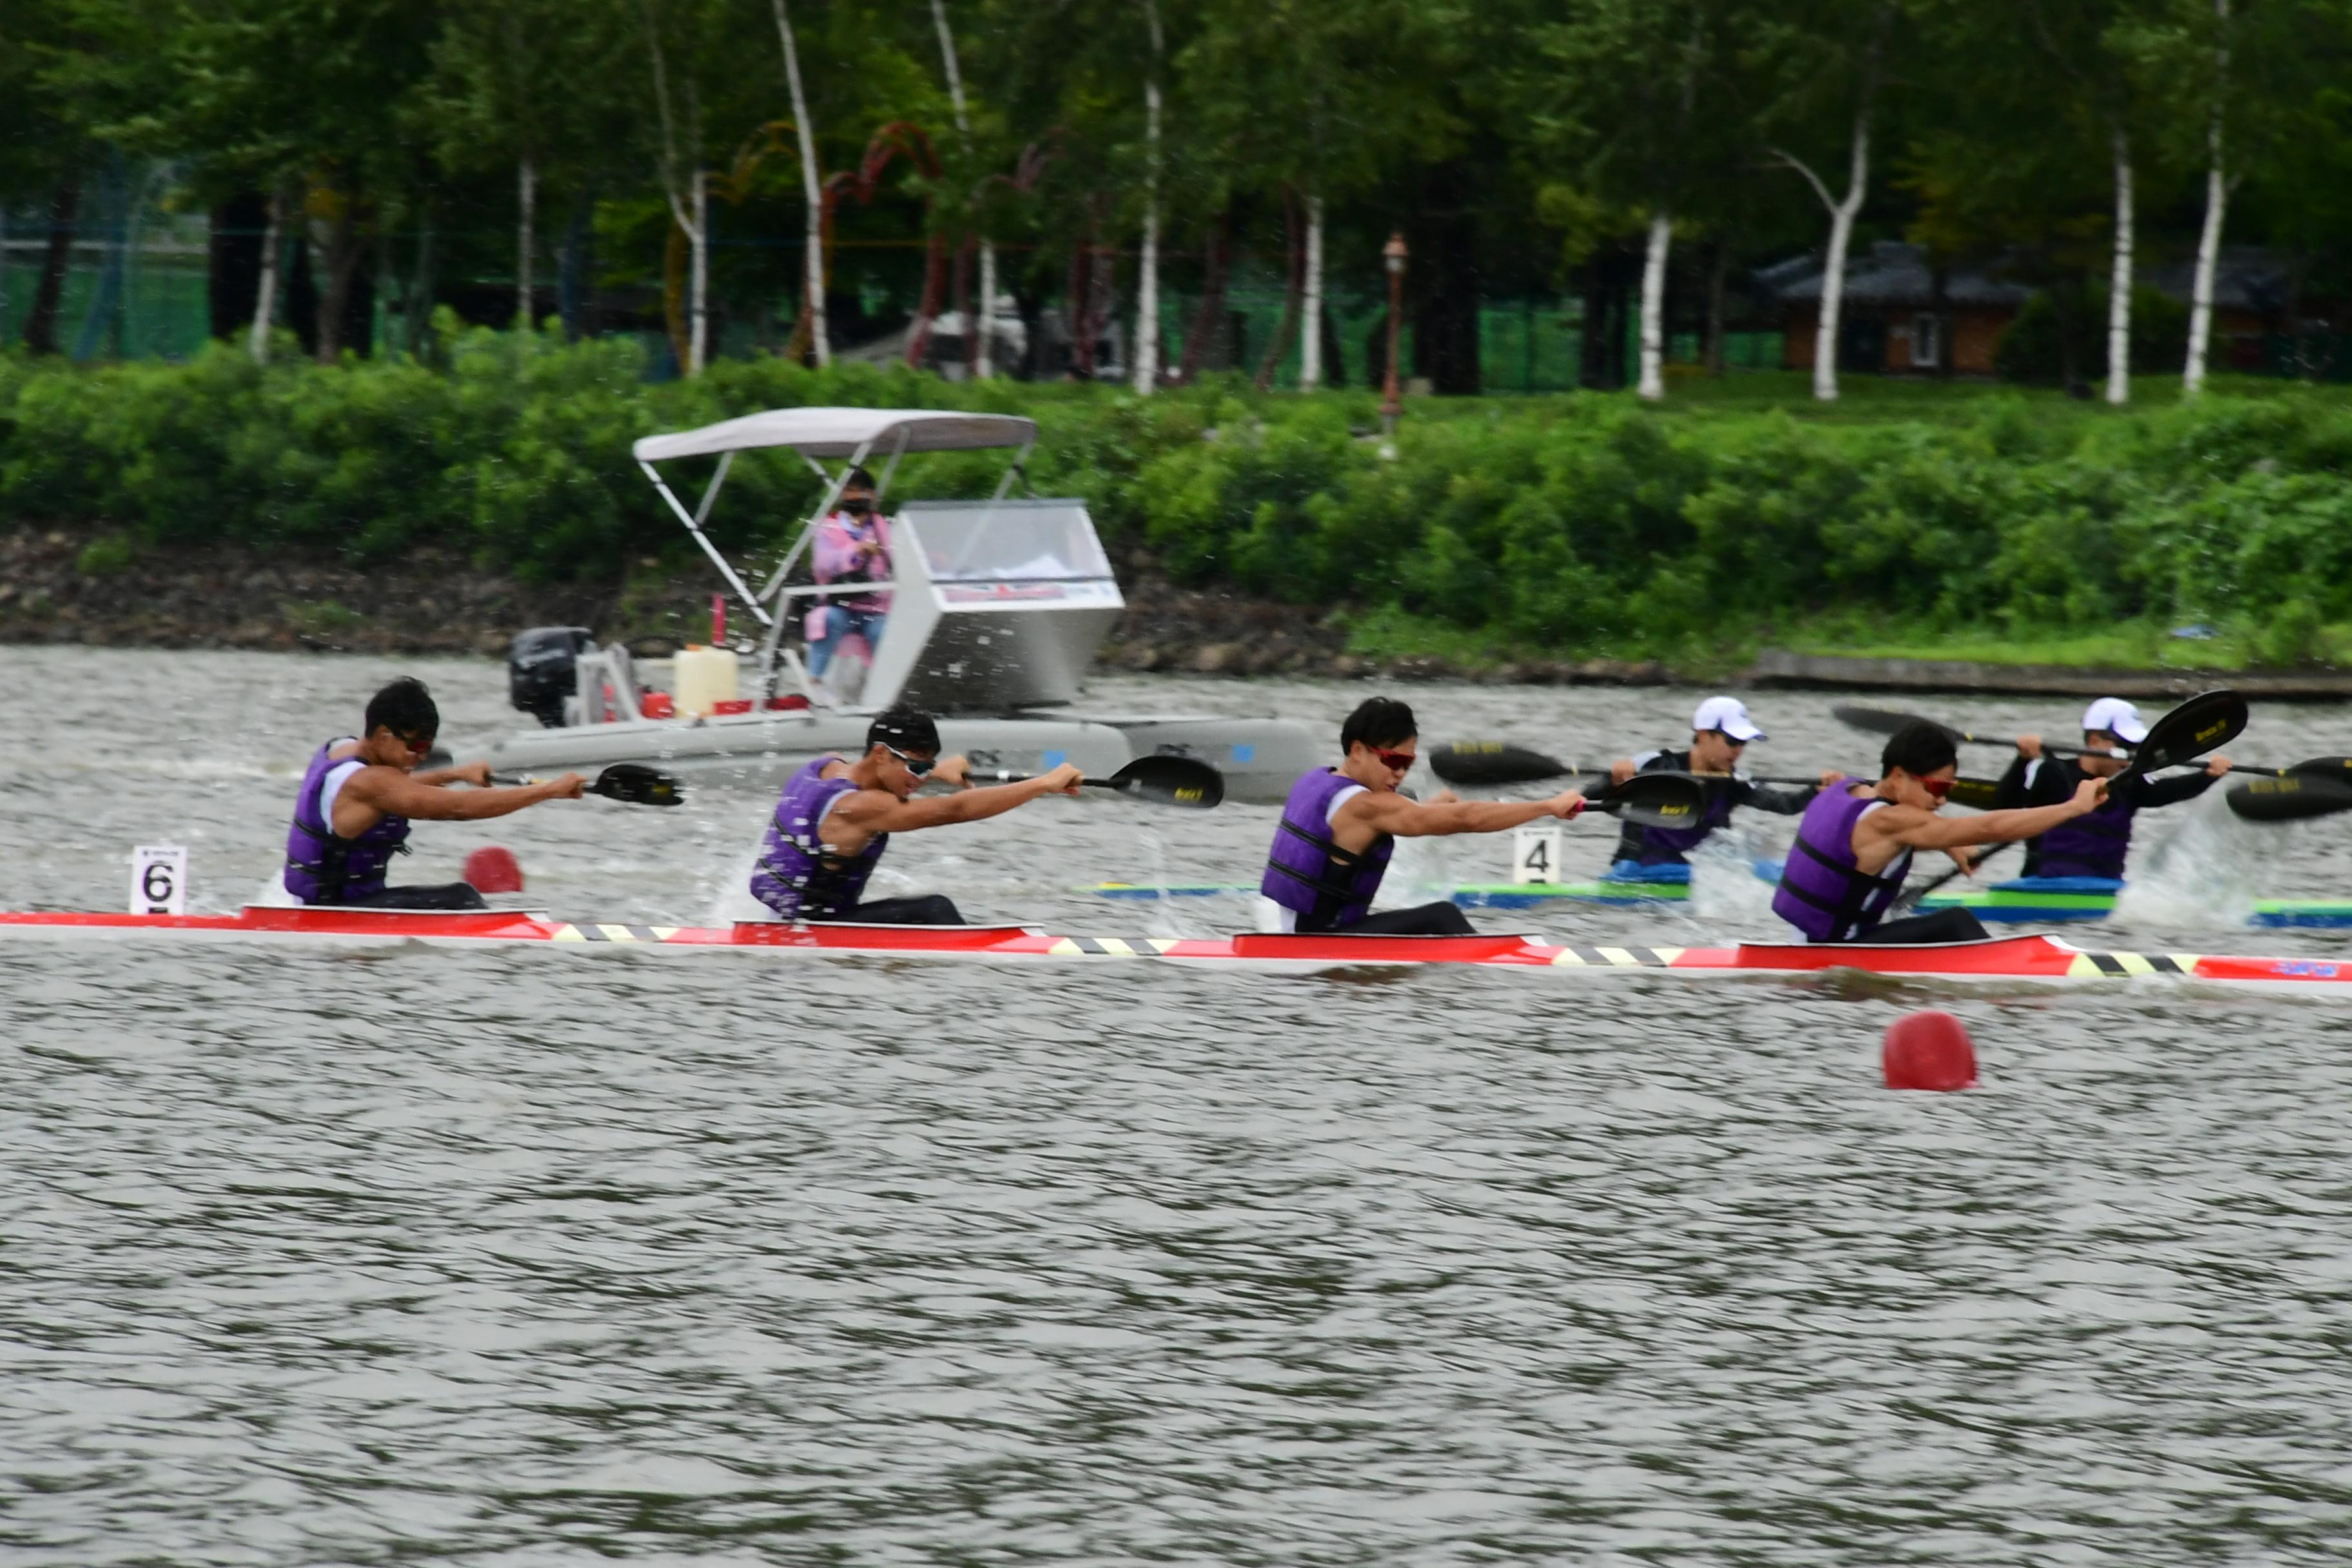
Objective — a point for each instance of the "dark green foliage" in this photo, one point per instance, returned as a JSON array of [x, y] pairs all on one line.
[[2029, 349], [1571, 524]]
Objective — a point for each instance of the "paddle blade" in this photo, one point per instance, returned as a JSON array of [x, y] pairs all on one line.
[[2328, 767], [1879, 720], [1488, 763], [2291, 797], [2206, 722], [1171, 781], [637, 784], [1658, 800], [1975, 793]]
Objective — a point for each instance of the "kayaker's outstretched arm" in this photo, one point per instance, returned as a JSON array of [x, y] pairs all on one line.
[[1399, 818], [396, 794], [1922, 830], [873, 812]]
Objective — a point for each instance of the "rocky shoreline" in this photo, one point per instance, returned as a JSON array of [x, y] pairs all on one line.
[[61, 584]]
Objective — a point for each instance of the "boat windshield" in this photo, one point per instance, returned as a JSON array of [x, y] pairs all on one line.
[[1006, 541]]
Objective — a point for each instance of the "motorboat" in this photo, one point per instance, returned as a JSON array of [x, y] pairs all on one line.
[[997, 607]]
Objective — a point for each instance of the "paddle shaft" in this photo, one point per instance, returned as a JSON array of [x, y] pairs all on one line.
[[1909, 898], [1164, 780], [1000, 776]]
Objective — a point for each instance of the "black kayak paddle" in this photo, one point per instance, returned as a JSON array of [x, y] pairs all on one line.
[[2321, 787], [1164, 780], [1648, 800], [1486, 764], [630, 784], [2206, 722]]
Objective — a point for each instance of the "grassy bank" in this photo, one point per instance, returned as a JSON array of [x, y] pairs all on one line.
[[1964, 521]]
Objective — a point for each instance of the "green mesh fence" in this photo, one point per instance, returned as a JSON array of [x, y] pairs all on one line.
[[135, 288]]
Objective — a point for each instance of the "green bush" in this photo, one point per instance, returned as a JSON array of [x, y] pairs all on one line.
[[106, 555], [1573, 524]]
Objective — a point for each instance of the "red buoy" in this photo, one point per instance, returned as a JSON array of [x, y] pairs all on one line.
[[1929, 1049], [492, 869]]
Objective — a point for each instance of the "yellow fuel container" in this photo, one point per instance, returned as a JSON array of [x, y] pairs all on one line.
[[702, 677]]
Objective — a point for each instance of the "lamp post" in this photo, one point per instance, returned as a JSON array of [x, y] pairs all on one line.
[[1393, 256]]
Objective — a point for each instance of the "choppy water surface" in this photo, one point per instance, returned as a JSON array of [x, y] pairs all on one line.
[[532, 1257]]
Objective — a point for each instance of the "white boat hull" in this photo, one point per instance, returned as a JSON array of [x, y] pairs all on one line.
[[763, 749], [1261, 758]]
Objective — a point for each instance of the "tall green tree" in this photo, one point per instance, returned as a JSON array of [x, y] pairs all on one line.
[[314, 99], [2247, 81], [1828, 63], [1632, 94], [536, 85], [1278, 94]]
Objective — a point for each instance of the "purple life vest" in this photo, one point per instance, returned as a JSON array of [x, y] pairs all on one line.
[[321, 868], [2092, 844], [797, 876], [1822, 893], [1307, 871]]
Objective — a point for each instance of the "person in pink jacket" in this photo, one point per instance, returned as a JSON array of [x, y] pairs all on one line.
[[853, 545]]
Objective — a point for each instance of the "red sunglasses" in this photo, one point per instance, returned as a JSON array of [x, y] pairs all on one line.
[[1400, 761], [1939, 788]]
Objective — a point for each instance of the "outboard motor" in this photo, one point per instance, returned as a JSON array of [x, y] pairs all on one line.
[[542, 669]]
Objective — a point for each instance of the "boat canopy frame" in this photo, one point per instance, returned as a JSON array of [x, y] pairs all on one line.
[[850, 435]]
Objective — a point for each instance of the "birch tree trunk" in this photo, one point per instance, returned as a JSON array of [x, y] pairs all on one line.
[[1310, 341], [264, 302], [1146, 287], [813, 275], [527, 201], [980, 326], [2120, 280], [984, 361], [687, 209], [1825, 349], [1842, 210], [2209, 251], [1653, 387], [2217, 203], [698, 299]]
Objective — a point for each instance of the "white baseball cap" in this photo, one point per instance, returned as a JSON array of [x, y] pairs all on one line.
[[1727, 714], [2117, 718]]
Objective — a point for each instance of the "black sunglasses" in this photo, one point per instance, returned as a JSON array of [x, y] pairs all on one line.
[[914, 766]]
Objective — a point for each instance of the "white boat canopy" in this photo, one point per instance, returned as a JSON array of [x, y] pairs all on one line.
[[843, 433], [848, 436]]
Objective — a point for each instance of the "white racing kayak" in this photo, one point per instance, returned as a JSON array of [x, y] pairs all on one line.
[[2034, 959]]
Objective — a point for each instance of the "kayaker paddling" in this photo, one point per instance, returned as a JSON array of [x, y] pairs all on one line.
[[1340, 827], [1855, 841], [835, 816], [359, 793], [1721, 731], [2095, 845]]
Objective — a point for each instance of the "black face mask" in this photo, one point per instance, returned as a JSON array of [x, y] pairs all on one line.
[[857, 506]]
